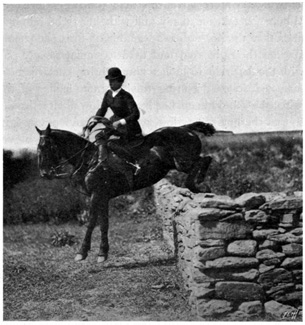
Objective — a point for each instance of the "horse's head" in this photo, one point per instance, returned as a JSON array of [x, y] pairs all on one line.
[[48, 153]]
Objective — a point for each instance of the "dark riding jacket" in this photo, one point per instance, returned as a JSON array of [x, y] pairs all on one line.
[[123, 106]]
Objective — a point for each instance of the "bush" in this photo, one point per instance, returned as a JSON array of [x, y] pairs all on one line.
[[40, 200], [251, 164], [28, 198], [62, 238], [16, 169]]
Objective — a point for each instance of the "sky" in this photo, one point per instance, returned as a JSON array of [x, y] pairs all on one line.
[[237, 66]]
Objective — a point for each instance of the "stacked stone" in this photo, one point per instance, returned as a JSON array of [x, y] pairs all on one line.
[[225, 269], [243, 257], [280, 239], [169, 198]]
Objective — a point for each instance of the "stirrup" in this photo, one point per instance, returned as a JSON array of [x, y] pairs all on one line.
[[136, 166]]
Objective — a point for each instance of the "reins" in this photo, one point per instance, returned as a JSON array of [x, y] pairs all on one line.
[[73, 156], [80, 164], [77, 170], [86, 146]]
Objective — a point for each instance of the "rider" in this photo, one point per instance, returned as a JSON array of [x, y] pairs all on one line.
[[125, 118]]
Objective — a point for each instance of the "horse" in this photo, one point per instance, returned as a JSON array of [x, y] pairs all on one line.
[[63, 154]]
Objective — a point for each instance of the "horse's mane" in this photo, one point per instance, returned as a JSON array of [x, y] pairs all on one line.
[[57, 131], [64, 135]]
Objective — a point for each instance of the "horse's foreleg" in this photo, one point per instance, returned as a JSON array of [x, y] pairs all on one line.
[[104, 225], [86, 244]]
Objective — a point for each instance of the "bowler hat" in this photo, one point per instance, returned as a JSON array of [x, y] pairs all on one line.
[[114, 73]]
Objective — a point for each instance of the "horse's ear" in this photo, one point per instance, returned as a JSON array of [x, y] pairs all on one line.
[[39, 131], [48, 129]]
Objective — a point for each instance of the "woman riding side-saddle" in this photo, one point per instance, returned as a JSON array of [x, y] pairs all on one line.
[[124, 120]]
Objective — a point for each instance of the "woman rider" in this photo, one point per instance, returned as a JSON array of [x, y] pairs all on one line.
[[125, 115]]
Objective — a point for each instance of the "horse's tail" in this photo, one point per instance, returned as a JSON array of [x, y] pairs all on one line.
[[205, 128]]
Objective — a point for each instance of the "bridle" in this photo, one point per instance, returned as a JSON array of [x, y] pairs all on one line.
[[54, 151], [66, 161], [54, 147]]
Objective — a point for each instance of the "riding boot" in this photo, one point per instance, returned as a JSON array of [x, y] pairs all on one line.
[[102, 160]]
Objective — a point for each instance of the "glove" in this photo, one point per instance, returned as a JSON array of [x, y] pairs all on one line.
[[116, 124]]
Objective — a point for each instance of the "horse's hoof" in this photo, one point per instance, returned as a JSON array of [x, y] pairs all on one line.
[[79, 257], [101, 259]]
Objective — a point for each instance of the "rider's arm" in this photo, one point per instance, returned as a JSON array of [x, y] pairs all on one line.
[[132, 108], [100, 112], [104, 106]]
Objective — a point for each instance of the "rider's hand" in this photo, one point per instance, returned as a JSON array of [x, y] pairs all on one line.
[[116, 124]]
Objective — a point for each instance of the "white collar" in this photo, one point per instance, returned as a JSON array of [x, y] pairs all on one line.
[[114, 93]]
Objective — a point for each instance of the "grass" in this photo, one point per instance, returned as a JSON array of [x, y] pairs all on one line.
[[140, 281]]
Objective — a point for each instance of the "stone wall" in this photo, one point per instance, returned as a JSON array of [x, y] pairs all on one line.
[[239, 258]]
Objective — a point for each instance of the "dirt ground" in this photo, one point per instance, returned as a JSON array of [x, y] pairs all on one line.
[[139, 282]]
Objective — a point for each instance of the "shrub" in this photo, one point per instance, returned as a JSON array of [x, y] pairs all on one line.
[[40, 200], [62, 238], [16, 168], [242, 163]]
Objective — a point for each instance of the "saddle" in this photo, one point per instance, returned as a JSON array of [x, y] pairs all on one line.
[[132, 150]]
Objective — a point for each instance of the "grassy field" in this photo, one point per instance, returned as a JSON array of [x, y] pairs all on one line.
[[140, 281]]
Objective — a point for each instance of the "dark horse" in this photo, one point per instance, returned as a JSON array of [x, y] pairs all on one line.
[[64, 154]]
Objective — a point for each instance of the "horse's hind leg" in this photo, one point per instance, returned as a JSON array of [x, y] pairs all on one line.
[[205, 164], [198, 173]]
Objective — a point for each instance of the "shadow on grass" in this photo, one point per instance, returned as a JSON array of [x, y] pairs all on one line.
[[138, 264]]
